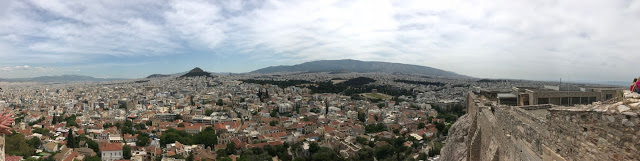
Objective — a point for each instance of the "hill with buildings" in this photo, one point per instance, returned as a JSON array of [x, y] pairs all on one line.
[[197, 72], [348, 65]]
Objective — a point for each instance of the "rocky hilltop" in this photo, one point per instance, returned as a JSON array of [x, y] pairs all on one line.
[[455, 146], [197, 72]]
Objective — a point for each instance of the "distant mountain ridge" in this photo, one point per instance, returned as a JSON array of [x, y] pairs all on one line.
[[158, 75], [348, 65], [59, 78]]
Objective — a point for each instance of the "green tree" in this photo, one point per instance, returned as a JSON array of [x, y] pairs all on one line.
[[140, 126], [362, 116], [208, 112], [374, 128], [325, 154], [126, 151], [361, 140], [128, 123], [50, 158], [71, 121], [127, 127], [107, 125], [190, 157], [384, 152], [445, 131], [54, 120], [180, 125], [219, 103], [422, 156], [440, 126], [274, 113], [430, 118], [31, 159], [421, 125], [221, 153], [231, 148], [433, 152], [93, 158], [142, 140], [17, 145], [71, 140], [191, 101], [93, 145], [314, 147], [207, 137], [34, 142], [173, 135], [273, 123], [364, 154]]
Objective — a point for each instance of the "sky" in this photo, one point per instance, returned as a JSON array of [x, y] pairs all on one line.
[[537, 40]]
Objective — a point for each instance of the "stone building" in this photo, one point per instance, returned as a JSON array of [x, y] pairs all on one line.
[[111, 151], [558, 95]]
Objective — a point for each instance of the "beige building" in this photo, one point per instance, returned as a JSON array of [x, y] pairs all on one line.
[[558, 95]]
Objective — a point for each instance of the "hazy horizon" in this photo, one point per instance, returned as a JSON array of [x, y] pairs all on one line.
[[531, 40]]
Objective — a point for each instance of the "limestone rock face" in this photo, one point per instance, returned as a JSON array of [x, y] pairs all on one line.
[[623, 108], [455, 148]]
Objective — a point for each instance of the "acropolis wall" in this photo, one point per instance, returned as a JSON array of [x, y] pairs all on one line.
[[601, 131]]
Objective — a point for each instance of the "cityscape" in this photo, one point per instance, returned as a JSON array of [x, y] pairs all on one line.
[[254, 116], [354, 80]]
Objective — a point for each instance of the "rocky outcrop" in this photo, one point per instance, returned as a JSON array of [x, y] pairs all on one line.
[[455, 148]]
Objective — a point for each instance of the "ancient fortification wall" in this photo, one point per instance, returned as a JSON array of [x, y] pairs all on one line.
[[545, 132]]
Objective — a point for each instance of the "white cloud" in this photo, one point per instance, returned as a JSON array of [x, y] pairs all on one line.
[[198, 21], [515, 39], [24, 68]]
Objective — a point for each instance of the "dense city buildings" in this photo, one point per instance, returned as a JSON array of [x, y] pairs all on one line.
[[287, 116]]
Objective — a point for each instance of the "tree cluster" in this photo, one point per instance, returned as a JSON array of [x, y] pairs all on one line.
[[374, 128], [17, 145], [206, 137], [420, 82]]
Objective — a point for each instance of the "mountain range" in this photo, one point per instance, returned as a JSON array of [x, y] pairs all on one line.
[[348, 65], [332, 66]]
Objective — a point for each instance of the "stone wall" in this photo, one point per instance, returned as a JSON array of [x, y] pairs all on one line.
[[516, 133], [592, 135], [536, 107]]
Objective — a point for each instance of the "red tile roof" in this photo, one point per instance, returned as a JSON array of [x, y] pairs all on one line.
[[12, 158], [111, 147], [71, 156]]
